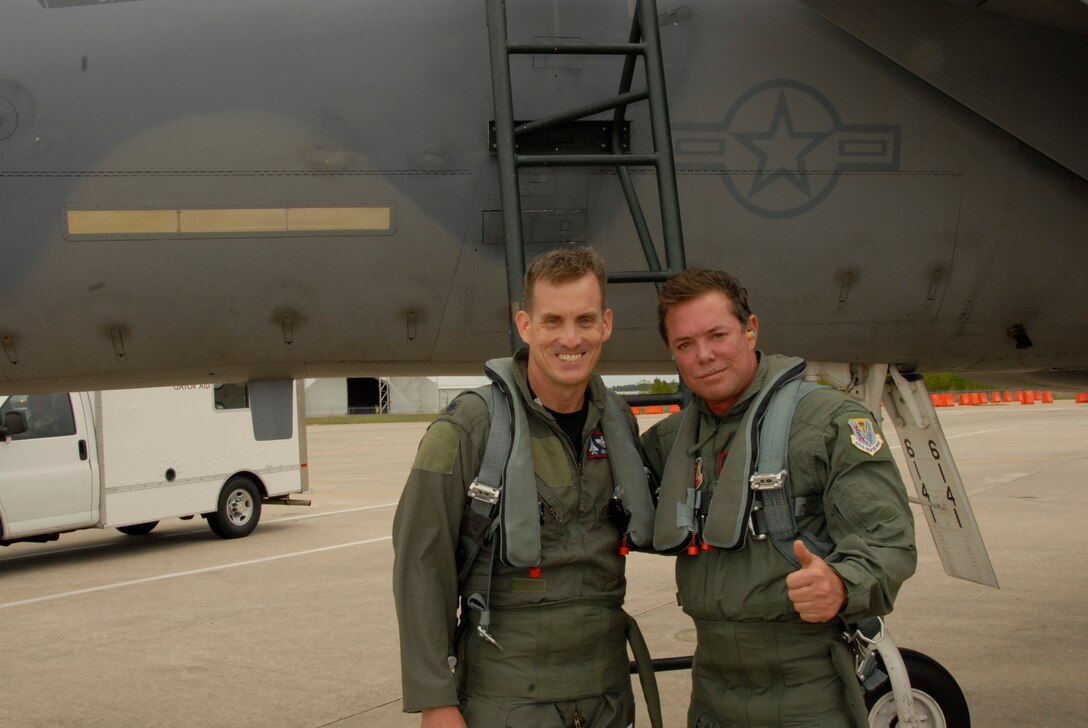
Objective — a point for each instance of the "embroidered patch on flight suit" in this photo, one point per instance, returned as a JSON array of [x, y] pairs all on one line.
[[438, 448], [864, 436], [598, 448]]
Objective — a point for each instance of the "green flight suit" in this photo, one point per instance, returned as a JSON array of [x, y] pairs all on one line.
[[756, 662], [564, 658]]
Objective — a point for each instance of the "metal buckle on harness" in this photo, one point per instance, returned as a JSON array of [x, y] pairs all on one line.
[[864, 650], [760, 482], [484, 493], [767, 481], [758, 530]]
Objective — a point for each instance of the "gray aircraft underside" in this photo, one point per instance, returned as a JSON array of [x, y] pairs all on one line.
[[196, 190]]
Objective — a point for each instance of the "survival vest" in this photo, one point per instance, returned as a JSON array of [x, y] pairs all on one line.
[[765, 509], [503, 500]]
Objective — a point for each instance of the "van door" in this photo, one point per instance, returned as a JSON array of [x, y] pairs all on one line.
[[46, 482]]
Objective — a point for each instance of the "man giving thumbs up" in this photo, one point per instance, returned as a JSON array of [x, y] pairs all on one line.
[[816, 591], [767, 621]]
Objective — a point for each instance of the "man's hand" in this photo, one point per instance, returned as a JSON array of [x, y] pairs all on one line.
[[816, 590], [448, 716]]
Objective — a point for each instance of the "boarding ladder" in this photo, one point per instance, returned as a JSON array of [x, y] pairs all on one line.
[[644, 42]]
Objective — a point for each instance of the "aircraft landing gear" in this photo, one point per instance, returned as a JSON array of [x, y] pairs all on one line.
[[937, 699], [915, 692], [919, 692]]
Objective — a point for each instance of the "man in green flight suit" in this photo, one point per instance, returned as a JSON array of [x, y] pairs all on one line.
[[545, 645], [768, 651]]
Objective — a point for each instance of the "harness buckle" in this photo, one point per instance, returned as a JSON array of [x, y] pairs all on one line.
[[757, 524], [864, 648], [484, 493], [767, 481]]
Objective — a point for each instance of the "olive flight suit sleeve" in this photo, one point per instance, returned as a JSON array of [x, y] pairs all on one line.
[[868, 515], [425, 535]]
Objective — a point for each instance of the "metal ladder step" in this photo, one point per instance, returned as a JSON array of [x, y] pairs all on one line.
[[643, 42]]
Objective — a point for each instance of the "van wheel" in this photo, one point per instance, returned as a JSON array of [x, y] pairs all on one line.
[[239, 509], [138, 529], [938, 699]]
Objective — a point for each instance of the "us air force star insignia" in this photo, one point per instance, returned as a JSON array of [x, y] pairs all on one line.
[[864, 436], [783, 147]]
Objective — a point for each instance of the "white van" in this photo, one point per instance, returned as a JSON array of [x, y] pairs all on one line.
[[129, 458]]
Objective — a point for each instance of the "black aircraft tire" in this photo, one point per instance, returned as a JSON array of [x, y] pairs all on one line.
[[138, 529], [937, 696], [239, 509]]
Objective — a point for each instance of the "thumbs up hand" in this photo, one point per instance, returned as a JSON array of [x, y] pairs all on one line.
[[816, 590]]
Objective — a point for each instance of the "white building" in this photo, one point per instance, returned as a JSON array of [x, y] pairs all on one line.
[[389, 395], [402, 395]]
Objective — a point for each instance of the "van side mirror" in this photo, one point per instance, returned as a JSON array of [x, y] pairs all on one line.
[[14, 423]]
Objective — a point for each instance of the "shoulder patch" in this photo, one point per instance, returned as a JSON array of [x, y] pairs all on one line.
[[438, 448], [864, 437]]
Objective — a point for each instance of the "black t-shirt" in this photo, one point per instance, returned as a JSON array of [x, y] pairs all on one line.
[[572, 424]]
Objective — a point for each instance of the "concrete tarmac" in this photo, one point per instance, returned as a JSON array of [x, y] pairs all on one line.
[[294, 626]]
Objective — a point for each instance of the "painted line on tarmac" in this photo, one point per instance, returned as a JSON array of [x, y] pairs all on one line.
[[190, 572], [331, 513], [187, 532], [962, 434], [977, 432]]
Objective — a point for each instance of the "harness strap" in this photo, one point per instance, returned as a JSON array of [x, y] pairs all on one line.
[[728, 522], [646, 676], [479, 522], [776, 510]]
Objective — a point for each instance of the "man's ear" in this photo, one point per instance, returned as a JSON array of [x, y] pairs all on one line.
[[522, 321]]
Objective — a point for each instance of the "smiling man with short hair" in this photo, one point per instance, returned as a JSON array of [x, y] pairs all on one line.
[[541, 643]]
